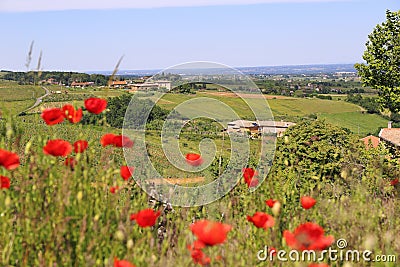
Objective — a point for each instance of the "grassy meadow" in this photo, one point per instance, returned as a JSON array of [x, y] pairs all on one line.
[[16, 98], [337, 112], [54, 215]]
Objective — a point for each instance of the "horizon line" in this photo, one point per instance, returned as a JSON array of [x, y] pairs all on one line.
[[160, 69]]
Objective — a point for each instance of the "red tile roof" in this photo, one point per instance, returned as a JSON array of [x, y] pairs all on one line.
[[391, 135], [119, 83], [371, 141]]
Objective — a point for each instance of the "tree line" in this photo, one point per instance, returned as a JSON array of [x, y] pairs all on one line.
[[131, 112], [65, 78]]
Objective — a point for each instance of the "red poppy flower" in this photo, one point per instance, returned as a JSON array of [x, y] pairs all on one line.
[[308, 236], [80, 146], [122, 141], [199, 257], [307, 202], [318, 265], [146, 217], [252, 183], [122, 263], [57, 148], [107, 139], [114, 189], [116, 140], [8, 160], [4, 182], [52, 116], [72, 115], [210, 233], [261, 220], [194, 159], [196, 245], [394, 182], [248, 175], [70, 162], [95, 105], [270, 202], [126, 172]]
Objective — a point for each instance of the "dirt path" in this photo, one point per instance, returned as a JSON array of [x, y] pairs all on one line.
[[38, 100]]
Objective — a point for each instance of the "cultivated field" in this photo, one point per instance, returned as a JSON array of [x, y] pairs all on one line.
[[340, 113]]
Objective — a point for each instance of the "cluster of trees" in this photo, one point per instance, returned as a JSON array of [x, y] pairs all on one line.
[[132, 110], [67, 97], [188, 88], [369, 103], [307, 87], [356, 91], [382, 56], [33, 77], [327, 97]]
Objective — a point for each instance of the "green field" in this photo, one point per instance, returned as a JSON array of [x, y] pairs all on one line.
[[10, 91], [359, 123], [337, 112], [15, 98]]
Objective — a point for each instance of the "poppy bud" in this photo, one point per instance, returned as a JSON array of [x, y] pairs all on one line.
[[79, 196], [129, 244], [28, 147], [276, 208], [119, 235], [9, 132], [7, 201]]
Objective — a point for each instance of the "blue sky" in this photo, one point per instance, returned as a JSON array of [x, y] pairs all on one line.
[[76, 37]]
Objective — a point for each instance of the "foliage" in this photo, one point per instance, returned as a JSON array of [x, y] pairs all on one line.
[[132, 109], [67, 97], [66, 78], [312, 149], [369, 103], [382, 56], [326, 97]]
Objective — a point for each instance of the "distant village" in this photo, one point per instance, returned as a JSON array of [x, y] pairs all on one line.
[[131, 85]]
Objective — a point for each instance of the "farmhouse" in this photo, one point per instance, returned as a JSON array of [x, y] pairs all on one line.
[[147, 86], [81, 84], [118, 84], [371, 141], [164, 84], [390, 135], [143, 87], [259, 127]]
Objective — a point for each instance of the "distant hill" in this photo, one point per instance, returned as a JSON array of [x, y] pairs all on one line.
[[268, 70]]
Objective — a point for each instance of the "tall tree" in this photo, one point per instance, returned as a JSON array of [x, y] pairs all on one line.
[[382, 56]]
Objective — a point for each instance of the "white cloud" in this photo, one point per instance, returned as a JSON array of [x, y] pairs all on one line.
[[49, 5]]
